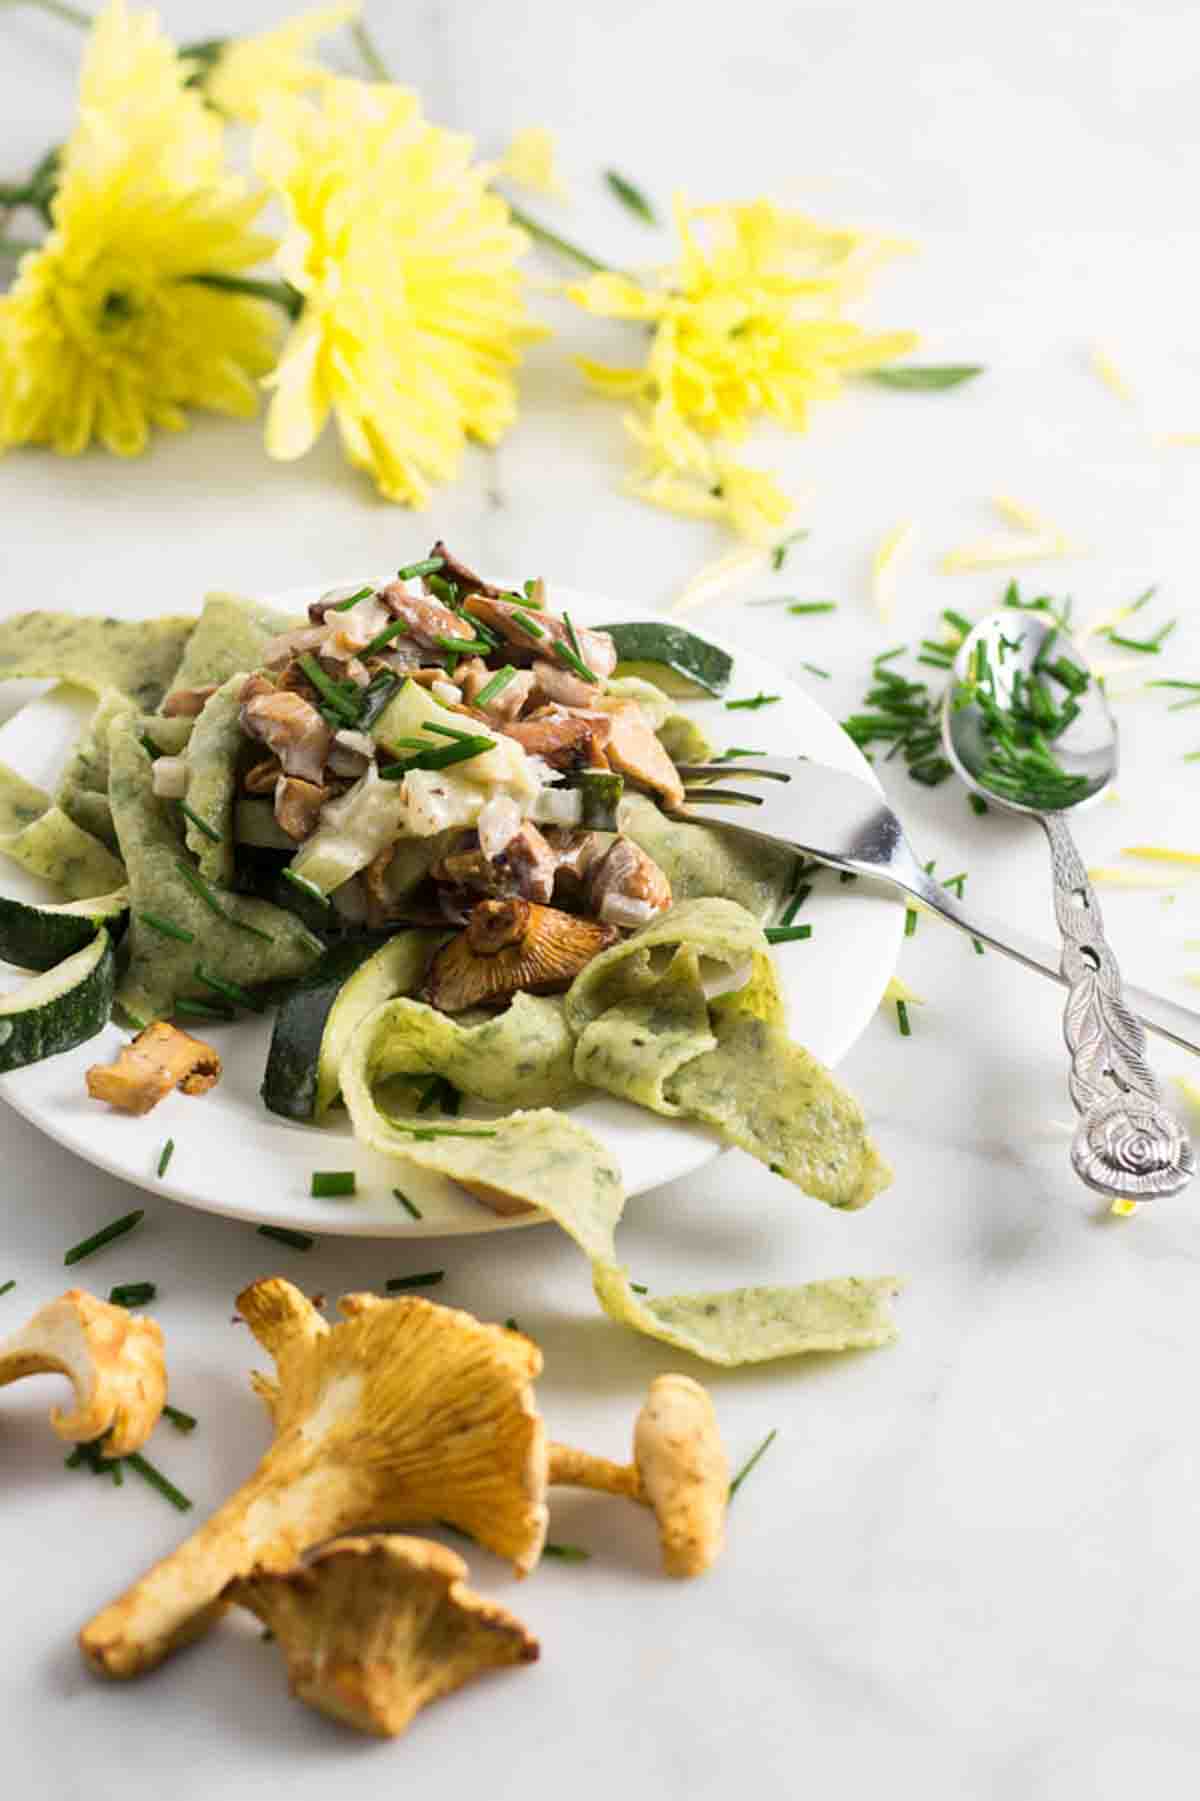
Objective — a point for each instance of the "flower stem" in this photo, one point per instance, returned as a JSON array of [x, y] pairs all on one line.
[[369, 51], [16, 246], [74, 15], [281, 292], [554, 241]]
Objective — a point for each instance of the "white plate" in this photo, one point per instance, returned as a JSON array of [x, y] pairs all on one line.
[[233, 1157]]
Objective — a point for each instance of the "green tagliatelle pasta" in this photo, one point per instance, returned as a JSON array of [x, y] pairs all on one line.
[[521, 1055], [230, 634], [698, 861], [214, 748], [137, 658], [545, 1160]]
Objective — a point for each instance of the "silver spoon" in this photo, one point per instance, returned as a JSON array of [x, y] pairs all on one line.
[[1126, 1143]]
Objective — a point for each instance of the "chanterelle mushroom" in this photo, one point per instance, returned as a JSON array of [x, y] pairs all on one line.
[[374, 1628], [113, 1360], [403, 1411], [512, 947], [159, 1059], [679, 1469]]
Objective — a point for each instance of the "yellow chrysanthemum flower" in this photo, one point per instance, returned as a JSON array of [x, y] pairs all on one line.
[[414, 316], [247, 71], [748, 322], [530, 161], [699, 482], [103, 335]]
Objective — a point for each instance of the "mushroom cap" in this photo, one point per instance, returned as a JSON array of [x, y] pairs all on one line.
[[375, 1627], [511, 947], [113, 1360], [419, 1411], [684, 1472]]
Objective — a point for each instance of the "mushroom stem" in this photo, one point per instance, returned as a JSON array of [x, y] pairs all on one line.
[[570, 1468]]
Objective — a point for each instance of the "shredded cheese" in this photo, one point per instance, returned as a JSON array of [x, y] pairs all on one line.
[[1159, 853], [1104, 365], [714, 578], [1041, 541], [884, 566], [1015, 512], [897, 990], [1113, 876]]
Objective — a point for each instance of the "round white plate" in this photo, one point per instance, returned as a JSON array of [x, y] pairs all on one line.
[[233, 1157]]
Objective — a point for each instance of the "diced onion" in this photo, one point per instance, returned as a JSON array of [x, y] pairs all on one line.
[[558, 806], [356, 741], [446, 692], [623, 910], [498, 824], [170, 777]]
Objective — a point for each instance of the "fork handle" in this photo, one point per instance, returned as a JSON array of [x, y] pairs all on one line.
[[1158, 1014]]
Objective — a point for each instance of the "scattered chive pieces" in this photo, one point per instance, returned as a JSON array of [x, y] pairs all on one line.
[[566, 1553], [813, 669], [427, 1279], [408, 1205], [574, 661], [497, 685], [330, 691], [752, 703], [787, 934], [297, 1241], [902, 1017], [798, 899], [737, 750], [910, 921], [200, 887], [132, 1294], [156, 1479], [978, 804], [167, 927], [397, 629], [149, 746], [423, 1134], [527, 625], [11, 1283], [351, 600], [961, 625], [465, 647], [201, 825], [232, 991], [327, 1184], [510, 1324], [1148, 646], [305, 887], [449, 731], [927, 376], [812, 606], [165, 1156], [639, 1288], [750, 1462], [779, 554], [106, 1235], [427, 566], [202, 1010], [631, 197], [182, 1422]]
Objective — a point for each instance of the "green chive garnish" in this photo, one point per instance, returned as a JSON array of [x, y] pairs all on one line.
[[201, 1010], [466, 647], [752, 703], [779, 554], [428, 1279], [232, 991], [98, 1240], [497, 685], [639, 1288], [201, 825], [978, 804], [797, 901], [165, 1156], [910, 921], [156, 1479], [510, 1324], [427, 566], [351, 600], [737, 750], [446, 731], [132, 1294], [330, 691], [631, 197], [787, 934], [149, 746], [328, 1184], [200, 887], [296, 1241], [11, 1283], [167, 927], [408, 1205], [423, 1134], [902, 1017], [306, 887], [527, 625], [812, 606], [814, 669], [566, 1553], [182, 1422], [397, 629], [750, 1462]]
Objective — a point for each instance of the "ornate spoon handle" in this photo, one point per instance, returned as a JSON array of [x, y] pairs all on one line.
[[1126, 1143]]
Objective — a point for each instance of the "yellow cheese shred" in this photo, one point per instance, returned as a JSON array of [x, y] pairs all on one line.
[[1105, 366], [718, 576], [884, 565], [1160, 853]]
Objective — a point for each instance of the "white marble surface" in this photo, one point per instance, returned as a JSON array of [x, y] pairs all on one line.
[[969, 1563]]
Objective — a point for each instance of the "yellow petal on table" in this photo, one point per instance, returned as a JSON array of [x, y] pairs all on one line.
[[998, 553], [719, 576], [1160, 853], [1104, 365], [1015, 512], [884, 566], [1112, 875], [530, 162], [898, 990]]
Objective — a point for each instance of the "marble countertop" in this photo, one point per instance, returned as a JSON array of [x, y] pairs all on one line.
[[969, 1561]]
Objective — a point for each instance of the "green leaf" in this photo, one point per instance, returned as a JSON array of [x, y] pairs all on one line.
[[631, 197], [925, 376]]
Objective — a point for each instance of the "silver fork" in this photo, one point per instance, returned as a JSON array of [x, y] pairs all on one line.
[[836, 819]]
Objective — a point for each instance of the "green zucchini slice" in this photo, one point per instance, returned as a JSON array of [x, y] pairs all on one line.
[[35, 937], [671, 657], [60, 1009]]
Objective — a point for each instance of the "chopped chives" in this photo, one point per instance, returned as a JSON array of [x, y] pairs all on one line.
[[465, 647], [156, 1479], [149, 746], [631, 197], [566, 1553], [397, 629], [639, 1288], [230, 991], [441, 758], [182, 1422], [575, 662], [496, 686], [902, 1017], [812, 606], [446, 731], [167, 927], [961, 625], [305, 887], [11, 1283], [328, 1184], [978, 804], [165, 1156], [408, 1206], [132, 1294], [752, 702], [351, 600], [779, 553], [798, 899], [1147, 646], [910, 921], [200, 887], [201, 1009], [424, 1133], [330, 691], [510, 1324], [527, 625], [426, 566], [787, 934], [296, 1241], [427, 1279], [750, 1462], [201, 825], [737, 750], [106, 1235], [813, 669]]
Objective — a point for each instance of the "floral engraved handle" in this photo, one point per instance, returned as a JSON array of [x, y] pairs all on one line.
[[1126, 1143]]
